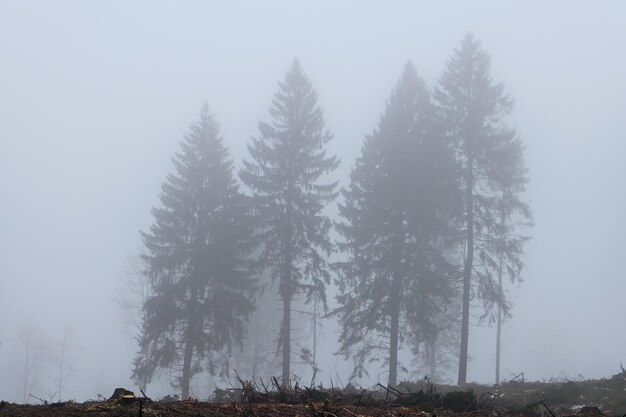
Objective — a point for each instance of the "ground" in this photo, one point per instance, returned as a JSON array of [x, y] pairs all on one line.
[[555, 398], [197, 409]]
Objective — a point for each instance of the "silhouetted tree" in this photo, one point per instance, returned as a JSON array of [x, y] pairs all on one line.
[[493, 175], [197, 261], [287, 161], [396, 219]]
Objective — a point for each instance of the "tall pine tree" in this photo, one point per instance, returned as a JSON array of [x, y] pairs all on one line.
[[197, 255], [493, 175], [396, 217], [287, 161]]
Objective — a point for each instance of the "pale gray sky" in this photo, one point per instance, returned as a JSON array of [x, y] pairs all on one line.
[[95, 97]]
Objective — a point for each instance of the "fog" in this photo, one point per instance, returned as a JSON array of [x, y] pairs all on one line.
[[95, 98]]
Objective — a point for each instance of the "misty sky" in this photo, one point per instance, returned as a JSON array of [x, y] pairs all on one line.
[[96, 96]]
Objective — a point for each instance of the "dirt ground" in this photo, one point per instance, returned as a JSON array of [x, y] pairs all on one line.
[[555, 398], [197, 409]]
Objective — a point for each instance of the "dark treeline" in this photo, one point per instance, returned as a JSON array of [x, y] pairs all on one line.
[[428, 226]]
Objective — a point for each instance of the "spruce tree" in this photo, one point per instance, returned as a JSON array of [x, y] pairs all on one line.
[[395, 222], [493, 176], [287, 162], [198, 263]]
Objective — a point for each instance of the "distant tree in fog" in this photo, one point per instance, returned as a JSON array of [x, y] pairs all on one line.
[[133, 293], [395, 225], [287, 161], [65, 359], [492, 177], [38, 355], [198, 263]]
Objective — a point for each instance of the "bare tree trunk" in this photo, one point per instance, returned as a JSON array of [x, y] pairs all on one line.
[[190, 341], [467, 272], [432, 360], [187, 365], [286, 335], [394, 334], [499, 330], [314, 343], [61, 363], [499, 324], [287, 291], [26, 366], [464, 326]]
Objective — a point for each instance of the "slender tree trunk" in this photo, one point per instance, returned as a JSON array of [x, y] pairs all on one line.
[[26, 365], [498, 332], [187, 365], [394, 334], [467, 271], [286, 339], [499, 324], [432, 360], [287, 293], [189, 345], [465, 325], [314, 343], [61, 363]]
